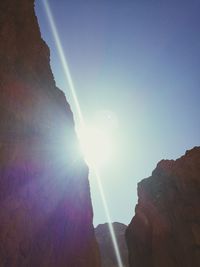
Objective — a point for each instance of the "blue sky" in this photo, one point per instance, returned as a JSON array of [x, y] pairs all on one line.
[[139, 61]]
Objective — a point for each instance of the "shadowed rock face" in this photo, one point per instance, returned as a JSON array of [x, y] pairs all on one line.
[[45, 206], [107, 251], [165, 231]]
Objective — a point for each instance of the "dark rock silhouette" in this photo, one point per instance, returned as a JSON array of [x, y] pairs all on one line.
[[165, 231], [107, 251], [45, 206]]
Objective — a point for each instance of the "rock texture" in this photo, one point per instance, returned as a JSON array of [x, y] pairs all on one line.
[[107, 251], [165, 231], [45, 206]]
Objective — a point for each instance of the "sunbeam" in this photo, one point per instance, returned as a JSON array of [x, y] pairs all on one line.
[[111, 229], [70, 83], [63, 60]]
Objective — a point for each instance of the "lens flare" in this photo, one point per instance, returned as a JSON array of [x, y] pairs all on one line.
[[95, 145], [88, 147], [63, 60]]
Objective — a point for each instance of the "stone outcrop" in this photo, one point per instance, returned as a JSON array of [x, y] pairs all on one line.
[[45, 206], [165, 231], [108, 256]]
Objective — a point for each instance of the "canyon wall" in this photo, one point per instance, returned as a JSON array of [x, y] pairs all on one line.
[[165, 231], [45, 206], [107, 251]]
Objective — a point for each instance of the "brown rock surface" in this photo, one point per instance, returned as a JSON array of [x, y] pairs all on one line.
[[45, 206], [165, 231], [108, 256]]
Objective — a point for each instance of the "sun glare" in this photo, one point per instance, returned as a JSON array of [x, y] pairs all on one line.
[[96, 145]]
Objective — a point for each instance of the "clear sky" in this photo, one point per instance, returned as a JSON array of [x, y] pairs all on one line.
[[137, 62]]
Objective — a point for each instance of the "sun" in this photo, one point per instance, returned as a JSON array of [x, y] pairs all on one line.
[[96, 145]]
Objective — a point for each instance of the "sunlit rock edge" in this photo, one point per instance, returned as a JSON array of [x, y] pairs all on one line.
[[45, 205]]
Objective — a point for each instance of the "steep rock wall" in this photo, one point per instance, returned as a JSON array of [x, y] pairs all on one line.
[[45, 206], [165, 231]]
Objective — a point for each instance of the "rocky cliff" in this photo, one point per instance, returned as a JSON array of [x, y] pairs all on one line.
[[165, 231], [45, 206], [107, 251]]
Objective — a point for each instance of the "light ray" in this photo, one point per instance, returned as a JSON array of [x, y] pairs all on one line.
[[63, 60], [70, 83], [111, 229]]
